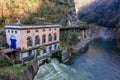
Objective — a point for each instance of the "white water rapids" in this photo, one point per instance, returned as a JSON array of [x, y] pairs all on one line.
[[58, 71]]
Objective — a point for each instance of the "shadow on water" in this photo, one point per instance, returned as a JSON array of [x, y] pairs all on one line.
[[101, 61]]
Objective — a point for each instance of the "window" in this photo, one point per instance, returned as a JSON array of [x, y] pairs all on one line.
[[49, 37], [55, 36], [8, 31], [50, 48], [37, 40], [43, 29], [38, 52], [28, 31], [12, 31], [55, 46], [55, 29], [36, 30], [44, 51], [29, 41], [49, 29], [43, 38], [15, 31], [29, 53]]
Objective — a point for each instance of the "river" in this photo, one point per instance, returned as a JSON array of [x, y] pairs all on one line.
[[99, 62]]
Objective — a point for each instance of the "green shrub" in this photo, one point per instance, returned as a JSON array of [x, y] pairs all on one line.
[[68, 37], [5, 63]]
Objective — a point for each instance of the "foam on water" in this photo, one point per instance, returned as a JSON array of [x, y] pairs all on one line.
[[58, 71]]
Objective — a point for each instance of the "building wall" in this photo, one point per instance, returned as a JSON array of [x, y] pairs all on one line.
[[25, 55], [17, 36], [40, 33]]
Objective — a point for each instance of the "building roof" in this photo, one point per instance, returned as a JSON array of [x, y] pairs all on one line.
[[31, 26]]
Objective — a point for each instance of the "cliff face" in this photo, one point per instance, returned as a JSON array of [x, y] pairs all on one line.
[[70, 18]]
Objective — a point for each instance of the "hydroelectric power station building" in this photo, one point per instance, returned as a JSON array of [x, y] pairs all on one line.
[[31, 38]]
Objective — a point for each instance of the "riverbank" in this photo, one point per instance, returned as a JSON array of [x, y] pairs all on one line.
[[96, 32], [83, 43]]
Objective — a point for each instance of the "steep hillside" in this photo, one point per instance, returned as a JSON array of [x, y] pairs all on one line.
[[37, 11], [101, 12]]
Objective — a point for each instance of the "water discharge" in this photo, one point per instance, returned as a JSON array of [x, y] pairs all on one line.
[[58, 71]]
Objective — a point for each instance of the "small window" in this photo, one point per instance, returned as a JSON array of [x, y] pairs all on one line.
[[15, 31], [55, 29], [55, 46], [49, 29], [44, 51], [12, 31], [8, 31], [38, 52], [29, 53], [36, 30], [43, 29], [28, 31]]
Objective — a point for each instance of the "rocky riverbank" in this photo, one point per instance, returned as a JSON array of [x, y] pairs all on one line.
[[96, 32], [29, 73]]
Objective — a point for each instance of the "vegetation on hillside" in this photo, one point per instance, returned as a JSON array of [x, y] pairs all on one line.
[[68, 38], [31, 11], [10, 72]]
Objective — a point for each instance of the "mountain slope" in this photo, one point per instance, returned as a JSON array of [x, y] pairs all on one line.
[[37, 11], [102, 12]]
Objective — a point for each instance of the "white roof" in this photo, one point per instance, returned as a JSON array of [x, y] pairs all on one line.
[[31, 26]]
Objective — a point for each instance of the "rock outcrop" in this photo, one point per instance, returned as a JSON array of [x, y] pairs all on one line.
[[70, 18], [118, 38]]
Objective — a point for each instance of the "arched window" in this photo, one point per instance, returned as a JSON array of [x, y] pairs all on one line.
[[49, 37], [55, 36], [37, 40], [43, 38], [29, 41]]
